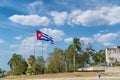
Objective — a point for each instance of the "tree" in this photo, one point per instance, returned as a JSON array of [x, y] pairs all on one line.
[[2, 73], [99, 57], [68, 54], [39, 65], [17, 64], [56, 61], [71, 55], [31, 60], [118, 46], [36, 66], [82, 59], [89, 49], [77, 44], [77, 48]]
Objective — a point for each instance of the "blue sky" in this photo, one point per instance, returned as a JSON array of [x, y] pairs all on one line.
[[93, 21]]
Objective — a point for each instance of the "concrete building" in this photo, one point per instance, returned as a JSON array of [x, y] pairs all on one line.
[[112, 55]]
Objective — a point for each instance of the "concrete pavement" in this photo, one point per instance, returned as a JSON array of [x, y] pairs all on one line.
[[84, 78]]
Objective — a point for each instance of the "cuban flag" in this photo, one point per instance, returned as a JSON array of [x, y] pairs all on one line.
[[42, 36]]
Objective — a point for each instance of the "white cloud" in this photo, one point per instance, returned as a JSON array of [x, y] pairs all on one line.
[[1, 41], [36, 7], [91, 17], [96, 17], [86, 40], [59, 17], [68, 40], [31, 20], [14, 46], [56, 34], [73, 17], [105, 39], [29, 44], [113, 15], [107, 44], [18, 37]]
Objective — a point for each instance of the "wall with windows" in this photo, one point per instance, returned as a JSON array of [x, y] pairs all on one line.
[[112, 55]]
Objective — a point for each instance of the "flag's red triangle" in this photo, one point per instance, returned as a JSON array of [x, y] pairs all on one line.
[[39, 35]]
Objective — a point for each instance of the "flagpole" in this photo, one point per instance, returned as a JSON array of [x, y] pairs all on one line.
[[47, 51], [47, 47], [42, 48], [34, 43], [42, 55]]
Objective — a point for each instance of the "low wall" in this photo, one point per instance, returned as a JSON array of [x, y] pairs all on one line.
[[100, 68], [112, 69], [96, 68]]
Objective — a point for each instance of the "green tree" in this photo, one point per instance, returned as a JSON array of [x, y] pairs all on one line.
[[39, 65], [99, 57], [68, 54], [72, 58], [77, 44], [118, 46], [82, 59], [56, 61], [17, 64], [77, 48], [31, 60], [36, 66]]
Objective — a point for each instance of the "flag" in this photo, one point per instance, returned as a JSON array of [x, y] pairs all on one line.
[[42, 36]]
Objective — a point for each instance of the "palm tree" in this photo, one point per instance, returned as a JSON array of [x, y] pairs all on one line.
[[77, 44], [77, 48]]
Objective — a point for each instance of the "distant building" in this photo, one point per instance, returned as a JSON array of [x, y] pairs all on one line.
[[112, 55]]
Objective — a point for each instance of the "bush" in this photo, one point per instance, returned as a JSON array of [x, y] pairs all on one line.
[[117, 64], [94, 64]]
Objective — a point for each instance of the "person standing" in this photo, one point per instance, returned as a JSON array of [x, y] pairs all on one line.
[[98, 75]]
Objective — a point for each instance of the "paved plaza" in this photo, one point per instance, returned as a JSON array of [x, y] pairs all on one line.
[[85, 78]]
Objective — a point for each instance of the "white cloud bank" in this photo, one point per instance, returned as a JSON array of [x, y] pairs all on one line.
[[29, 44], [105, 39], [90, 17], [101, 16], [59, 17], [30, 20]]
